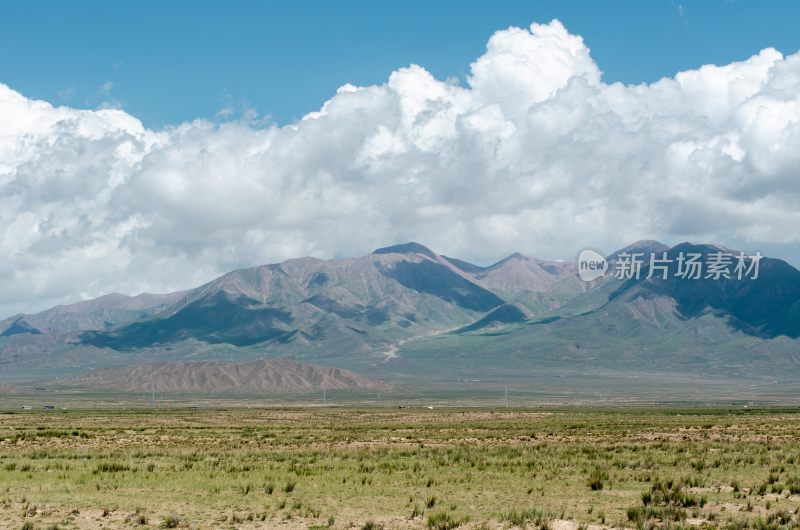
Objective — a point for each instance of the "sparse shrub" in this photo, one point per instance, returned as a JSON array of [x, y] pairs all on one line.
[[646, 498], [780, 518], [444, 521], [597, 478], [521, 518], [111, 467], [666, 501], [170, 521]]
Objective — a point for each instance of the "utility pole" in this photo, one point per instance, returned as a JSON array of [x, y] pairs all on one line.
[[506, 396]]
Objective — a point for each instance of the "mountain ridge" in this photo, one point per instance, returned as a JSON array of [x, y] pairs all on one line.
[[273, 376], [404, 310]]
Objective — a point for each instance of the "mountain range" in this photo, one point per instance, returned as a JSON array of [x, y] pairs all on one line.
[[406, 315]]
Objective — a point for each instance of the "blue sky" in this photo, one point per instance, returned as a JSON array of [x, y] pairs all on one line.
[[168, 62]]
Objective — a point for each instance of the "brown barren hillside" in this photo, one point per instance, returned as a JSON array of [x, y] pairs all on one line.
[[264, 376]]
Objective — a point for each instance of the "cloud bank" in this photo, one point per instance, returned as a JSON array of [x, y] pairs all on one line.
[[533, 153]]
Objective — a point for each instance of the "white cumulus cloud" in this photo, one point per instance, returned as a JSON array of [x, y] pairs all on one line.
[[534, 153]]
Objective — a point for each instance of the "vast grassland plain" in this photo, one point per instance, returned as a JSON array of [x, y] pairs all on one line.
[[372, 468]]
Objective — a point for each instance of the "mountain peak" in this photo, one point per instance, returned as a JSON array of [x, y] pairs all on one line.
[[699, 247], [645, 246], [513, 257], [406, 248]]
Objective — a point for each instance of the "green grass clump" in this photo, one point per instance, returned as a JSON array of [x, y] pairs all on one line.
[[171, 521], [597, 478], [445, 521], [523, 517], [793, 485], [111, 467], [665, 502]]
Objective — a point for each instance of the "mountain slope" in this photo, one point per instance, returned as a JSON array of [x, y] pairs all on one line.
[[99, 313], [505, 314], [392, 293], [20, 326], [216, 318], [641, 337], [768, 306], [260, 377], [727, 327], [536, 285]]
